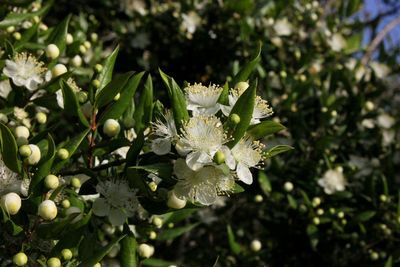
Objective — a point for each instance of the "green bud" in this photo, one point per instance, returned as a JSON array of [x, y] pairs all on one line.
[[152, 235], [75, 182], [98, 67], [41, 117], [258, 198], [25, 151], [129, 122], [316, 220], [117, 96], [96, 83], [219, 157], [54, 262], [234, 118], [66, 254], [383, 198], [82, 97], [374, 256], [66, 204], [20, 259], [51, 181], [62, 153]]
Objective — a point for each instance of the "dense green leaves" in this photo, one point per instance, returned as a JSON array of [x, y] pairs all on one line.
[[234, 246]]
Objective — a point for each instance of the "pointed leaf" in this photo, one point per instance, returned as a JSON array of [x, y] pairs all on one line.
[[105, 75], [59, 34], [234, 246], [170, 234], [14, 19], [277, 150], [71, 103], [107, 94], [144, 108], [265, 128], [9, 149], [127, 255], [245, 72]]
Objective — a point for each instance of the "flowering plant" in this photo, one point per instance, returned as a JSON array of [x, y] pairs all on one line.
[[87, 168]]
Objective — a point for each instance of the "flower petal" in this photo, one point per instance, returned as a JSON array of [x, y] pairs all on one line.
[[244, 174], [161, 146], [101, 207], [117, 217]]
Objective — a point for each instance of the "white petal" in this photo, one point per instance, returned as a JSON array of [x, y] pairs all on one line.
[[117, 217], [206, 195], [226, 110], [229, 159], [244, 174], [197, 160], [181, 170], [101, 207], [60, 98], [161, 146], [5, 88]]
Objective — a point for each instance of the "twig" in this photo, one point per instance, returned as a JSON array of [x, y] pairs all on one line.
[[378, 39]]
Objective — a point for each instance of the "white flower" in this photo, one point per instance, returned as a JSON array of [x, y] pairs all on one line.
[[202, 186], [11, 182], [119, 201], [190, 22], [72, 84], [5, 88], [130, 134], [25, 70], [261, 107], [380, 70], [122, 151], [201, 138], [337, 42], [332, 181], [202, 100], [283, 27], [247, 154], [166, 132], [385, 121]]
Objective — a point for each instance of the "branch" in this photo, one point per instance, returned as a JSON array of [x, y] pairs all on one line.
[[378, 39]]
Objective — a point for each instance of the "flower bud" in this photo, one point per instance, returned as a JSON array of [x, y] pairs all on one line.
[[158, 222], [82, 49], [82, 97], [242, 86], [20, 259], [51, 181], [48, 210], [369, 106], [316, 201], [66, 254], [174, 202], [288, 186], [35, 156], [320, 212], [54, 262], [66, 204], [152, 186], [52, 51], [94, 37], [25, 151], [258, 198], [76, 61], [111, 127], [41, 117], [219, 157], [96, 83], [98, 67], [152, 235], [234, 118], [3, 118], [117, 96], [10, 29], [97, 265], [62, 153], [340, 214], [255, 245], [383, 198], [87, 44], [316, 220], [374, 256], [69, 38], [11, 203], [145, 251], [58, 70], [75, 182], [17, 35], [114, 251], [22, 131]]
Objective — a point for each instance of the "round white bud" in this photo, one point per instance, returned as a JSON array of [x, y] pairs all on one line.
[[75, 182], [20, 259], [288, 186], [98, 67], [51, 181], [69, 39], [66, 204], [66, 254], [258, 198], [62, 153], [152, 235], [369, 106], [145, 251], [17, 35], [316, 201], [175, 202], [35, 156], [52, 51], [255, 245], [158, 222], [87, 44], [22, 131], [41, 117], [82, 49], [58, 70], [11, 203], [111, 127], [76, 61], [48, 210]]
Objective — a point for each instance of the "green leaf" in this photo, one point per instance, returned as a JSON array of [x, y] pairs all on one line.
[[105, 74], [312, 229], [216, 262], [162, 170], [117, 108], [45, 164], [245, 72], [10, 225], [364, 216], [170, 234], [264, 182], [127, 254], [353, 43], [292, 202], [237, 189], [389, 262], [107, 94], [243, 107], [264, 128], [9, 149], [177, 216], [26, 36], [152, 262], [134, 150], [177, 99], [234, 246], [71, 146], [144, 109], [54, 229], [59, 34], [277, 150], [71, 103], [101, 253], [15, 19]]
